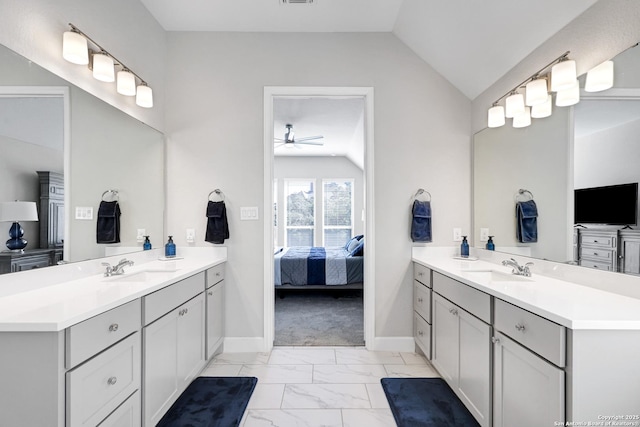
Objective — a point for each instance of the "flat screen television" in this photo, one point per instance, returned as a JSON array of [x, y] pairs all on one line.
[[612, 205]]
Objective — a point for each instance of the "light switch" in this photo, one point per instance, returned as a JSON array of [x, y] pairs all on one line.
[[484, 234], [84, 213], [249, 213], [140, 235], [191, 235]]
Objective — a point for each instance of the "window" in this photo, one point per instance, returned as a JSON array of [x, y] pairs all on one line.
[[299, 212], [337, 226]]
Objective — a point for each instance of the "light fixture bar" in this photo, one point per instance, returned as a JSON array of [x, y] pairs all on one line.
[[106, 52]]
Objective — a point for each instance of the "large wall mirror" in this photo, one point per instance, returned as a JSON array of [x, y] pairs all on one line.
[[595, 143], [105, 149]]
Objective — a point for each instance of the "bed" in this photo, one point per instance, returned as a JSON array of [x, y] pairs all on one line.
[[305, 267]]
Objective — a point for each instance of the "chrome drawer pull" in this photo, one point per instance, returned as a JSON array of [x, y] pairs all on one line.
[[210, 293], [420, 274], [113, 327], [112, 380], [218, 274], [419, 299], [420, 333], [495, 340], [520, 327], [453, 311]]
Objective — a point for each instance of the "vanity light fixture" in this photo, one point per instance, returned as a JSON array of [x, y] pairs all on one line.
[[540, 111], [103, 64], [496, 116], [569, 96], [600, 77], [536, 91], [563, 75], [514, 105], [522, 119]]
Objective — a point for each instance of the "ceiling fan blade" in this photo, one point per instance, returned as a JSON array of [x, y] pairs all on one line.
[[278, 145], [309, 138], [278, 139], [308, 142]]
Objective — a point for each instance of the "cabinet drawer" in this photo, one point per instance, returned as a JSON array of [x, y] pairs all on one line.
[[127, 415], [99, 386], [215, 275], [605, 241], [474, 301], [422, 334], [163, 301], [422, 300], [542, 336], [422, 274], [597, 254], [605, 266], [87, 338], [29, 263]]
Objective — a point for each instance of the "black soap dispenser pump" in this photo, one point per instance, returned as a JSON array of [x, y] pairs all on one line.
[[490, 245], [464, 247]]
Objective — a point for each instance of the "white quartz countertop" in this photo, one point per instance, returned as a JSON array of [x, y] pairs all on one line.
[[58, 306], [569, 304]]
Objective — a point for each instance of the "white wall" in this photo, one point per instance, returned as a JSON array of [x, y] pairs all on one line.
[[215, 134], [319, 168], [33, 28]]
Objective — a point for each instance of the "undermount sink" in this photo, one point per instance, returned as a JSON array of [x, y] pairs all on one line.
[[140, 276], [495, 276]]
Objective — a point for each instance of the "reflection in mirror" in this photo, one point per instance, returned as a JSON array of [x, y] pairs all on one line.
[[593, 145], [106, 149]]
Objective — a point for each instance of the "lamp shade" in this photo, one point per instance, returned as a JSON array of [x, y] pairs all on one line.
[[103, 69], [536, 92], [126, 83], [523, 119], [514, 104], [74, 48], [18, 211], [543, 110], [144, 96], [496, 116], [600, 77], [563, 75], [570, 96]]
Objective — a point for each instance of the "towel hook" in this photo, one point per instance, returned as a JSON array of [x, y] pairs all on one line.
[[114, 196], [218, 193], [422, 192], [523, 193]]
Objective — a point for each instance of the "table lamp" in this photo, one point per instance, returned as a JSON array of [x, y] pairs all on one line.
[[15, 212]]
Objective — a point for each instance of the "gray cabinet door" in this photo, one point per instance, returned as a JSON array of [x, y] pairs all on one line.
[[528, 391], [190, 340], [445, 346], [630, 256], [215, 318]]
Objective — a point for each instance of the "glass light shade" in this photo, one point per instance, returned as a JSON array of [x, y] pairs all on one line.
[[144, 96], [514, 104], [543, 110], [18, 211], [126, 83], [536, 92], [74, 48], [523, 119], [600, 78], [567, 97], [563, 75], [496, 116], [103, 68]]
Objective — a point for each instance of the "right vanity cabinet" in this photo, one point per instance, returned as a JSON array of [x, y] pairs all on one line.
[[215, 309]]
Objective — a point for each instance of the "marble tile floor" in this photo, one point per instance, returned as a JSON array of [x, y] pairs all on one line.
[[319, 386]]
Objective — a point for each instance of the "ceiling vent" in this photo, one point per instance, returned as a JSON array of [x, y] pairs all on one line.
[[297, 1]]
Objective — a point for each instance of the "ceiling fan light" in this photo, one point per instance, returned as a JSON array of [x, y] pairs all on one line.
[[103, 68], [543, 110], [523, 119], [563, 75], [570, 96], [496, 116], [74, 48], [126, 83], [600, 77], [536, 92], [514, 104]]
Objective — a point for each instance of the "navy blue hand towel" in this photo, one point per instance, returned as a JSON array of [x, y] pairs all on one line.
[[527, 222], [217, 225], [108, 224], [421, 222]]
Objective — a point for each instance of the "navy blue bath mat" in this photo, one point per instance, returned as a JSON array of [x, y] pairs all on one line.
[[425, 402], [211, 402]]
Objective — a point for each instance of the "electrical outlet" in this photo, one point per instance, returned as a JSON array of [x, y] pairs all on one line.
[[140, 236], [457, 234], [484, 234], [191, 235]]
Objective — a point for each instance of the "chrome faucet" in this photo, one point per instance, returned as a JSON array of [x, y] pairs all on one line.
[[116, 269], [517, 269]]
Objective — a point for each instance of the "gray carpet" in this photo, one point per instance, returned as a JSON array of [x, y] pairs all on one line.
[[319, 318]]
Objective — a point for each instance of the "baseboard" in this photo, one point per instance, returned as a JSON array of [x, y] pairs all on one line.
[[244, 345], [398, 344]]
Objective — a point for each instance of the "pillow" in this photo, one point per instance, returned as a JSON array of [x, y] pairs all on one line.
[[358, 250], [351, 243]]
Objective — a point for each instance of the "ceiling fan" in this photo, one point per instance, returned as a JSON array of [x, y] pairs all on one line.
[[290, 141]]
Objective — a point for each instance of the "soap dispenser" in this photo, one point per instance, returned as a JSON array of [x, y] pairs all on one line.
[[490, 245], [464, 247], [170, 248], [147, 244]]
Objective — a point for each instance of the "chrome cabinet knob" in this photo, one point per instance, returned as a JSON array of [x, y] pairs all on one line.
[[495, 340], [520, 327], [112, 380], [419, 299], [113, 327]]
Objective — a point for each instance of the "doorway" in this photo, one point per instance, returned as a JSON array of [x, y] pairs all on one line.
[[271, 96]]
